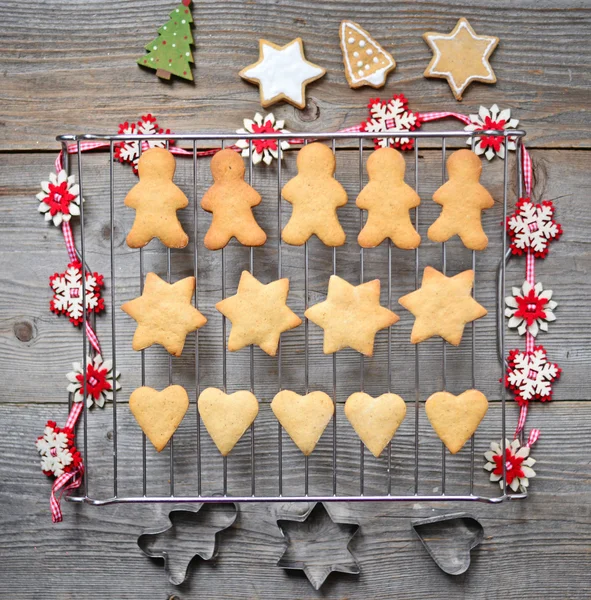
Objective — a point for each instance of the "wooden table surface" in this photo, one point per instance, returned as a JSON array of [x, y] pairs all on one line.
[[70, 67]]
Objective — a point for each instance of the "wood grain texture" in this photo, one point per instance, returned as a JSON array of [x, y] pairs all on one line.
[[88, 80]]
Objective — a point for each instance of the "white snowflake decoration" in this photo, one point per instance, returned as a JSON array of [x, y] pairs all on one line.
[[59, 198], [393, 115], [99, 381], [54, 449], [530, 308], [67, 297], [532, 226], [263, 150], [518, 465], [493, 118], [530, 375]]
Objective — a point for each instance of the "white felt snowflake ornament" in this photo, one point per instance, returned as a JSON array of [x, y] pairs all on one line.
[[518, 464], [57, 450], [59, 198], [263, 150], [391, 115], [530, 308], [532, 227], [493, 118], [99, 381]]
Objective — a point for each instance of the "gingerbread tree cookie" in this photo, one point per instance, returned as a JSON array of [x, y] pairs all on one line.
[[366, 62], [387, 199], [315, 196], [230, 199], [463, 199], [155, 200]]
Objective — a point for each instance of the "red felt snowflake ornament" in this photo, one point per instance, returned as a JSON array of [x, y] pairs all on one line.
[[391, 115], [58, 452], [532, 227]]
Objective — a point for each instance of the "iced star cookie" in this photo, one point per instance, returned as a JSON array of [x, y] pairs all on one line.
[[463, 199], [387, 199], [351, 316], [155, 200], [442, 306], [366, 62], [259, 314], [315, 195], [461, 57], [164, 314], [282, 73]]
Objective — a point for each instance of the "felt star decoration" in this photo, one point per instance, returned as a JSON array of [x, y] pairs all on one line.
[[351, 316], [164, 314], [282, 73], [461, 57], [442, 306], [259, 313]]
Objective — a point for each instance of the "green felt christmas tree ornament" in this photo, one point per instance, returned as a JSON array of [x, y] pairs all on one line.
[[170, 53]]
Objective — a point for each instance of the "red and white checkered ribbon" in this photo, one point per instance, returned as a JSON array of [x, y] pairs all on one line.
[[534, 435], [435, 116]]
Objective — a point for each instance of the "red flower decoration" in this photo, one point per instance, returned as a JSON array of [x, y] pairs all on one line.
[[532, 227], [58, 453], [59, 198]]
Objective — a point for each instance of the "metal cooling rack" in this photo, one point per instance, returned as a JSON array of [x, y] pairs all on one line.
[[213, 139]]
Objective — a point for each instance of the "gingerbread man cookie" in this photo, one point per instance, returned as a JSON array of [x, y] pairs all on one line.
[[230, 199], [463, 199], [387, 199], [315, 196], [155, 200]]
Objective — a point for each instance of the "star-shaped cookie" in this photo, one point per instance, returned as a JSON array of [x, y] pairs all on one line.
[[164, 314], [259, 313], [282, 73], [461, 57], [351, 316], [442, 306]]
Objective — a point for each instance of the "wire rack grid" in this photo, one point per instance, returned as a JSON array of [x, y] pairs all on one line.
[[358, 140]]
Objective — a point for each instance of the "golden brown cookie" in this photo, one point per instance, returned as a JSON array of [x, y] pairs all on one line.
[[351, 316], [159, 413], [366, 62], [259, 313], [387, 199], [456, 418], [442, 306], [303, 417], [230, 199], [375, 420], [155, 200], [227, 416], [164, 314], [463, 199], [461, 57], [315, 195]]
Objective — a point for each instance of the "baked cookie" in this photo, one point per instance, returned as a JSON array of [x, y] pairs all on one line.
[[461, 57], [442, 306], [155, 200], [315, 195], [282, 73], [351, 316], [366, 62], [463, 199], [259, 314], [456, 418], [227, 416], [159, 413], [303, 417], [387, 200], [164, 314], [230, 199], [375, 420]]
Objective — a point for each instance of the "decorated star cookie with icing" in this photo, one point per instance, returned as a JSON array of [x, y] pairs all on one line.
[[461, 57], [366, 62], [282, 73]]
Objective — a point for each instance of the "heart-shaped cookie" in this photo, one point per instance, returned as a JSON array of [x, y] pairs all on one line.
[[375, 420], [303, 417], [227, 416], [456, 418], [159, 413]]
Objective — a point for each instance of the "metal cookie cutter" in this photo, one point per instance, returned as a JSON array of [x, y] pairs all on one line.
[[449, 540], [192, 531]]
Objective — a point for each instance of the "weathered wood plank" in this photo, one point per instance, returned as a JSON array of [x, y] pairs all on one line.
[[88, 81]]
